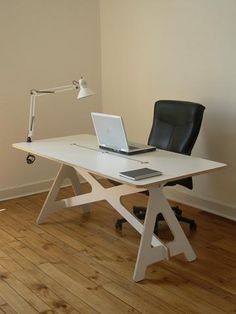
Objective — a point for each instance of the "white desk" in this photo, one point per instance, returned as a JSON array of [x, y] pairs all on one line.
[[79, 154]]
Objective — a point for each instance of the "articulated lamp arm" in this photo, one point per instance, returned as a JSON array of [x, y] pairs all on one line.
[[34, 93], [84, 91]]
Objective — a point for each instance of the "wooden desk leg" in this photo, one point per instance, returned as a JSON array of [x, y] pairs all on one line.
[[147, 254], [65, 172], [151, 249], [180, 244], [72, 174]]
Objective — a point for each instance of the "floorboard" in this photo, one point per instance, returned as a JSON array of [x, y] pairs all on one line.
[[78, 263]]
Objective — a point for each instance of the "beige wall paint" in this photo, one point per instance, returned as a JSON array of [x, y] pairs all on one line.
[[181, 49], [44, 44], [151, 49]]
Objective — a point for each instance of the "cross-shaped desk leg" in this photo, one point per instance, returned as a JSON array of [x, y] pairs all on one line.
[[151, 249]]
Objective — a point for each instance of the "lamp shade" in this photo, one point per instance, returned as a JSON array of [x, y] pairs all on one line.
[[84, 91]]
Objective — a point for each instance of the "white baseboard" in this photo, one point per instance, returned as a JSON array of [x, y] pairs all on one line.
[[24, 190], [30, 189], [210, 206]]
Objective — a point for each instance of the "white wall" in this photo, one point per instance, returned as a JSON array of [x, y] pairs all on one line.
[[151, 49], [44, 44], [182, 49]]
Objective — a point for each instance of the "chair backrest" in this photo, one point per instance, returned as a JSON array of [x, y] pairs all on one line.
[[176, 125]]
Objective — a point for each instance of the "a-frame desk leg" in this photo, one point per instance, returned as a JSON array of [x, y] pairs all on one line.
[[147, 253], [151, 248], [65, 172]]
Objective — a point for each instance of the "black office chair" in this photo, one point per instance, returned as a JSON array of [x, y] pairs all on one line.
[[176, 125]]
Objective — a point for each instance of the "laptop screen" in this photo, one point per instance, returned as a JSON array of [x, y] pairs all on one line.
[[110, 131]]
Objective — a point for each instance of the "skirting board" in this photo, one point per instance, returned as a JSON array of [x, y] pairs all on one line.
[[30, 189], [210, 206], [25, 190]]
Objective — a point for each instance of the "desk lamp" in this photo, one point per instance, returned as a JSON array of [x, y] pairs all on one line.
[[84, 91]]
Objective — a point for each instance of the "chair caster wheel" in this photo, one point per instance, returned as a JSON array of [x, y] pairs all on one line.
[[193, 226], [118, 226]]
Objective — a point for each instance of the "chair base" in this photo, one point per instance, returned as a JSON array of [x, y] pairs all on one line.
[[140, 213]]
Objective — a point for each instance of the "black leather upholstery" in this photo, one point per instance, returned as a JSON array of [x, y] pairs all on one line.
[[175, 128], [176, 125]]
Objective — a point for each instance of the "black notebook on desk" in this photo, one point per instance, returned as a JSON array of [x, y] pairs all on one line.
[[139, 174]]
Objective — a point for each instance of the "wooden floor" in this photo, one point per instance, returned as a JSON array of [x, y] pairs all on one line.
[[79, 264]]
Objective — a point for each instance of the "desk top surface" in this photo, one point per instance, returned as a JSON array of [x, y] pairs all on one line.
[[83, 151]]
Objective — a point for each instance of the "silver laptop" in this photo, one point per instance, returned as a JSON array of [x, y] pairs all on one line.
[[111, 135]]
